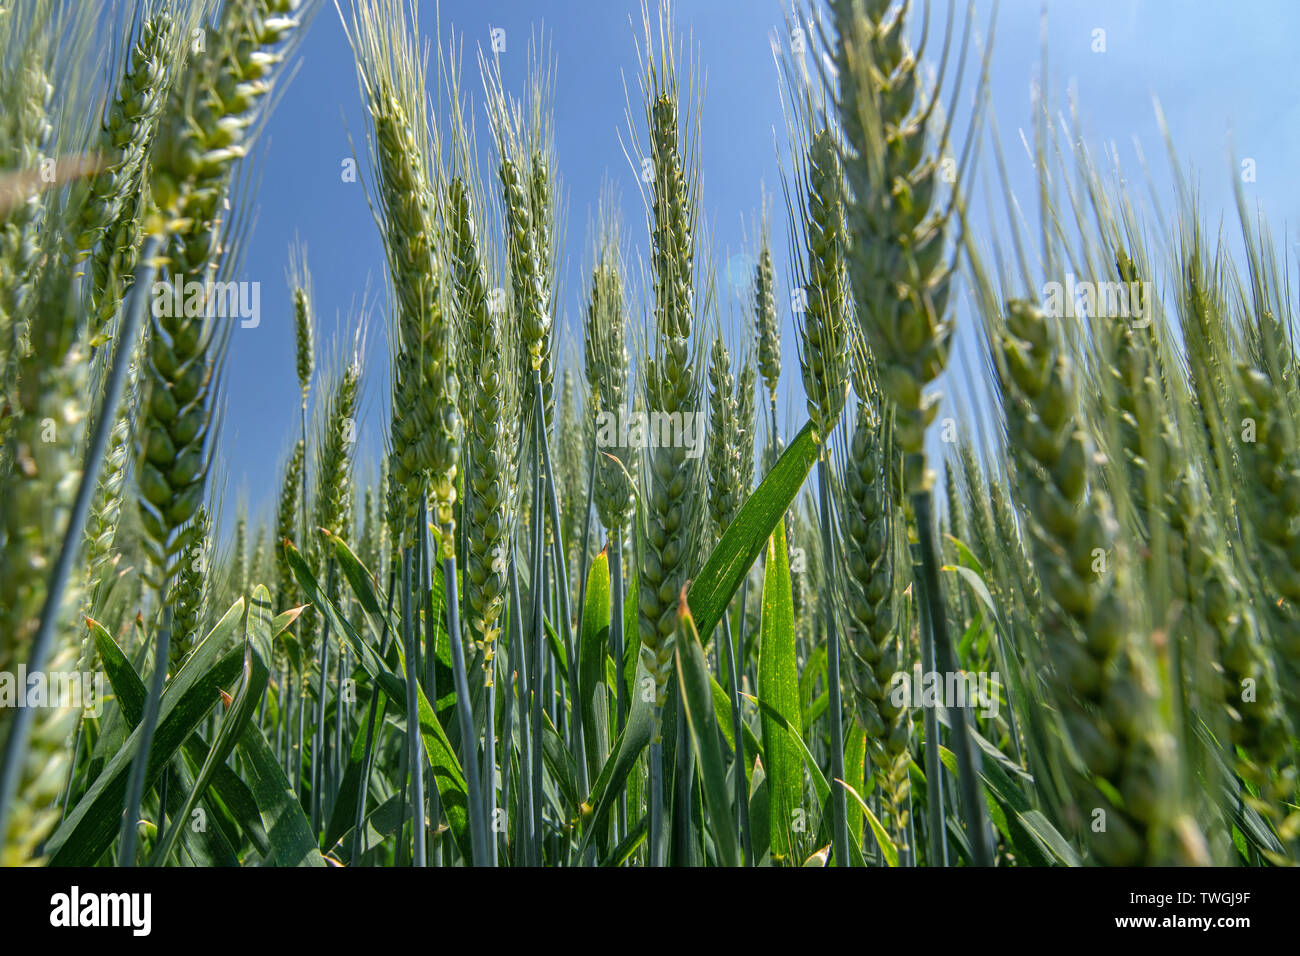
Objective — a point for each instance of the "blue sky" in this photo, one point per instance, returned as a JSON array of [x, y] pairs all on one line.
[[1225, 75]]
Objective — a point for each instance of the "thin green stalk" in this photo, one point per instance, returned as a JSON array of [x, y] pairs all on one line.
[[578, 742], [426, 653], [340, 664], [415, 758], [507, 738], [148, 724], [420, 554], [163, 781], [319, 755], [936, 836], [301, 689], [465, 713], [733, 691], [656, 803], [419, 576], [431, 653], [546, 696], [403, 767], [682, 821], [582, 595], [584, 565], [946, 658], [520, 680], [553, 690], [774, 439], [489, 771], [72, 770], [562, 574], [539, 610], [911, 833], [616, 643], [742, 652], [282, 688], [303, 499]]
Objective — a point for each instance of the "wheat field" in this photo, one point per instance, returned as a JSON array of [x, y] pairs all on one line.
[[560, 619]]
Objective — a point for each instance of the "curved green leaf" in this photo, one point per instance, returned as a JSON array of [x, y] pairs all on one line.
[[722, 713], [778, 687], [878, 831], [735, 554], [693, 679], [209, 846], [634, 739], [371, 662], [855, 759], [233, 723], [592, 643], [292, 841], [90, 827]]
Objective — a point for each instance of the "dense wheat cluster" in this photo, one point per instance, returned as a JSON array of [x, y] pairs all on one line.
[[594, 605]]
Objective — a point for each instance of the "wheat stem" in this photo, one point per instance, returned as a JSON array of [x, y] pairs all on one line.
[[946, 659], [839, 809], [140, 762], [936, 834], [415, 754], [616, 640], [465, 713], [733, 692]]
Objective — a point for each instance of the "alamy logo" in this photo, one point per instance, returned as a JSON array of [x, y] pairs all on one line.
[[214, 300], [83, 690], [624, 429], [936, 689], [1107, 300], [75, 909]]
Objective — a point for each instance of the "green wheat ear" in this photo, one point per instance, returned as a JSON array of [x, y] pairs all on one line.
[[492, 425], [332, 496], [747, 427], [44, 444], [106, 506], [207, 128], [898, 265], [1271, 468], [674, 507], [526, 239], [570, 463], [108, 229], [867, 523], [541, 200], [288, 509], [425, 427], [1256, 722], [526, 172], [766, 324], [25, 137], [1102, 681], [303, 321], [606, 367], [45, 384], [724, 440], [190, 587], [824, 331]]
